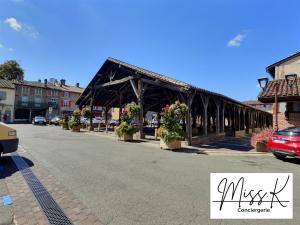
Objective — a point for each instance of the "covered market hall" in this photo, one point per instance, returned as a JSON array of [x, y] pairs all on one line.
[[209, 114]]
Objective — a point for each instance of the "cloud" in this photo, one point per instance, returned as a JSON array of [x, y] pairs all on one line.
[[237, 40], [22, 27], [30, 31], [10, 49], [13, 23], [1, 45]]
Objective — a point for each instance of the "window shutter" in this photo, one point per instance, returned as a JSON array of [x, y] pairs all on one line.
[[61, 103], [70, 103]]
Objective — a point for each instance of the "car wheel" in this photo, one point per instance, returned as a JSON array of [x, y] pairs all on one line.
[[279, 156]]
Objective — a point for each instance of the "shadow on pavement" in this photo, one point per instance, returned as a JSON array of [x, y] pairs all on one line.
[[8, 167], [292, 160], [190, 150]]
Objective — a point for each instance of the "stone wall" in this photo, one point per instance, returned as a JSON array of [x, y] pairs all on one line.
[[283, 122]]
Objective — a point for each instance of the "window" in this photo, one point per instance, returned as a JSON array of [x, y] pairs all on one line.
[[54, 92], [25, 90], [66, 103], [2, 95], [66, 94], [38, 91], [53, 100], [24, 100], [37, 101], [296, 106]]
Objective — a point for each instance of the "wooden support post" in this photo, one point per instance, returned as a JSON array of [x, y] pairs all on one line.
[[91, 108], [140, 93], [218, 119], [106, 118], [120, 106], [223, 118], [205, 101], [234, 122], [189, 131]]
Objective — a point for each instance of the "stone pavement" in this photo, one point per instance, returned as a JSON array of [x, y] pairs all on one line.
[[6, 211], [26, 208]]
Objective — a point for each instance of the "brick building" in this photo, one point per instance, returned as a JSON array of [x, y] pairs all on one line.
[[34, 98], [286, 84]]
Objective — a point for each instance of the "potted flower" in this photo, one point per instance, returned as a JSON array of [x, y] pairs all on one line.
[[87, 113], [64, 122], [259, 140], [171, 131], [126, 130], [75, 123]]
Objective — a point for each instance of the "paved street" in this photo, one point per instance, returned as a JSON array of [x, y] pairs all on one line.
[[135, 184]]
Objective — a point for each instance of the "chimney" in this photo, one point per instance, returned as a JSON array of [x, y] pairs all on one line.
[[77, 85], [39, 80], [62, 82], [46, 82]]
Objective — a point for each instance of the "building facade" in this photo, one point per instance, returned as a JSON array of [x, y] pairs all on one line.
[[286, 85], [33, 98], [268, 107], [7, 101]]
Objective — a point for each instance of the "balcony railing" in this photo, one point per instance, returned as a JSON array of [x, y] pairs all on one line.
[[36, 105]]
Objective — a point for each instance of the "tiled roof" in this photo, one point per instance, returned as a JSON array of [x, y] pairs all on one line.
[[158, 76], [285, 91], [253, 102], [51, 86], [150, 73], [72, 89], [6, 84]]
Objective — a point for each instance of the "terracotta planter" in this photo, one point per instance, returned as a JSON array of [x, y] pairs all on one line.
[[261, 147], [76, 128], [175, 144], [126, 137]]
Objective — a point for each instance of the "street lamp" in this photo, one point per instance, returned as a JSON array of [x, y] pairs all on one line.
[[263, 82], [290, 79]]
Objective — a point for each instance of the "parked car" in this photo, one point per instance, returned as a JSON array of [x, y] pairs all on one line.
[[98, 120], [55, 120], [285, 143], [8, 139], [114, 122], [39, 120]]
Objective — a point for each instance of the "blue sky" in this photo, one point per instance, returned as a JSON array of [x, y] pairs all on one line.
[[219, 45]]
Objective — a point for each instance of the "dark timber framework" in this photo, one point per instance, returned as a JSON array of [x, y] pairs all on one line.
[[118, 83]]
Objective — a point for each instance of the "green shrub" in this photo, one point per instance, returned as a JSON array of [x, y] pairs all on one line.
[[171, 116]]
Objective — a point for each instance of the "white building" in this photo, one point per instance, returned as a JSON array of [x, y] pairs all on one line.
[[7, 101]]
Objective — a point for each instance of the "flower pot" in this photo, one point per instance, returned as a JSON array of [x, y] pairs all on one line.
[[126, 137], [76, 128], [64, 126], [174, 144], [261, 147]]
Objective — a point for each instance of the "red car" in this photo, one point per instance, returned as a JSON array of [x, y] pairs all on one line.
[[285, 143]]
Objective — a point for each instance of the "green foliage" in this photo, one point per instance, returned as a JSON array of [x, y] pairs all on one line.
[[11, 70], [131, 111], [65, 121], [86, 112], [75, 120], [171, 116], [125, 128]]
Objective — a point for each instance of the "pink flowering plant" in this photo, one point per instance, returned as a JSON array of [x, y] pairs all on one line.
[[261, 137]]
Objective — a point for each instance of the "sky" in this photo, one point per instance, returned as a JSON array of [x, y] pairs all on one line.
[[219, 45]]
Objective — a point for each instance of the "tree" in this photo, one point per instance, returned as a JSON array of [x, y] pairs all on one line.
[[11, 70]]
